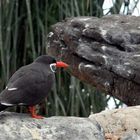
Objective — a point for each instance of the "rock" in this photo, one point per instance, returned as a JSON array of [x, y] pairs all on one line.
[[104, 52], [122, 123], [131, 136], [14, 126]]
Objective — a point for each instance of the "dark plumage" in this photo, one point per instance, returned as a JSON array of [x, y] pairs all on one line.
[[30, 84]]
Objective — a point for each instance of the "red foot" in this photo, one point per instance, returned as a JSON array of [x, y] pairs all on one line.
[[33, 113], [37, 116]]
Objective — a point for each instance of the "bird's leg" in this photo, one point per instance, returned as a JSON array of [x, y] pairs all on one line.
[[33, 113]]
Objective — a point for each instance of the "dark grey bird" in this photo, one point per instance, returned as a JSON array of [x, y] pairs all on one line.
[[30, 84]]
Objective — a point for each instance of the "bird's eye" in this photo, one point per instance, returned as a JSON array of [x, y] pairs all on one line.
[[53, 67]]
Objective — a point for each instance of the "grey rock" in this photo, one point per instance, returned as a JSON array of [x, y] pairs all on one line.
[[14, 126], [132, 136], [104, 52]]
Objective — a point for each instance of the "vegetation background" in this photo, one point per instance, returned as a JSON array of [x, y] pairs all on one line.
[[24, 25]]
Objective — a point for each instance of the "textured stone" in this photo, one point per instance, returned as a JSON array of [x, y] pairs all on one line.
[[104, 52], [14, 126], [123, 123]]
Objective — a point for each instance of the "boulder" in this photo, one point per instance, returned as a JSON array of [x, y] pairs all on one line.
[[15, 126], [104, 52], [117, 124], [121, 123]]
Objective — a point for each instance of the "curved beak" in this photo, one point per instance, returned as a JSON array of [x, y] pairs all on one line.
[[61, 64]]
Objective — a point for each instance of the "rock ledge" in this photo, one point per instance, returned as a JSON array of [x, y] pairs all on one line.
[[15, 126]]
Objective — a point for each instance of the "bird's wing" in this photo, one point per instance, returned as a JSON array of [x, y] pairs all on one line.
[[16, 76], [24, 86], [26, 75]]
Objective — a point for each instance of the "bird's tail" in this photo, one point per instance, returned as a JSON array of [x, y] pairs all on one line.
[[3, 107]]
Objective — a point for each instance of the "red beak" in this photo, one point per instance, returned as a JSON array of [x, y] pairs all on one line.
[[61, 64]]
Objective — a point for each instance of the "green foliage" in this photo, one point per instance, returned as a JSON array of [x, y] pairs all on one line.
[[24, 25]]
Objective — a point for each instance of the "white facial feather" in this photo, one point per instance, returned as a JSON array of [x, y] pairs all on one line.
[[52, 67]]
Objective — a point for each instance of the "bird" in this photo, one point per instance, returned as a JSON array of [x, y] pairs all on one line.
[[30, 84]]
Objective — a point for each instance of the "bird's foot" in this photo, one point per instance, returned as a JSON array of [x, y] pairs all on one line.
[[37, 116], [33, 113]]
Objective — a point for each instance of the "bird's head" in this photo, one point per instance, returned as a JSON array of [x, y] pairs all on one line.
[[49, 60]]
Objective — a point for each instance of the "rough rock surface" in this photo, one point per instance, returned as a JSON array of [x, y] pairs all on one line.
[[14, 126], [104, 52], [123, 123]]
